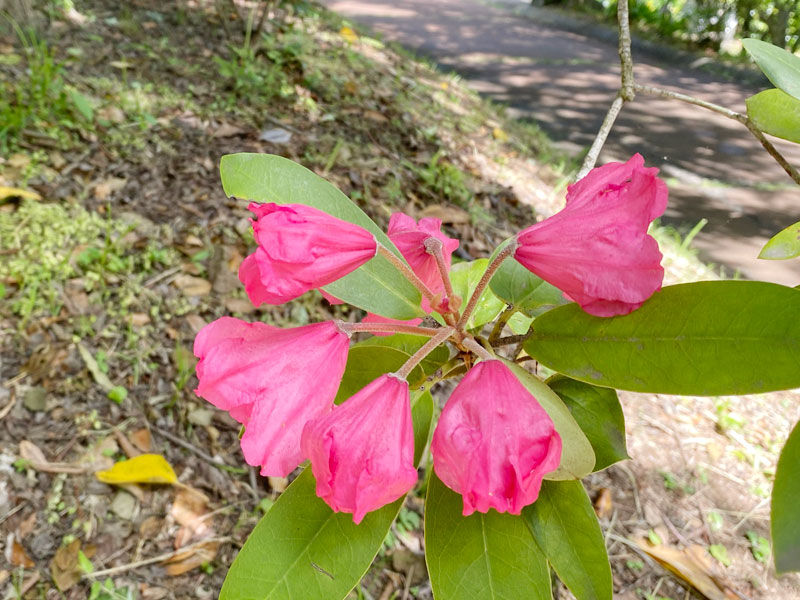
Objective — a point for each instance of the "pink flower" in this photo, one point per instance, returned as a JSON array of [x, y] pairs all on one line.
[[260, 374], [300, 248], [596, 249], [409, 237], [494, 442], [373, 318], [362, 453]]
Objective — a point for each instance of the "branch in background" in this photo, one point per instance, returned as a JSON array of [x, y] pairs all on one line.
[[626, 91], [731, 114]]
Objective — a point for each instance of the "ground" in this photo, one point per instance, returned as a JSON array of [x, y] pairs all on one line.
[[117, 245]]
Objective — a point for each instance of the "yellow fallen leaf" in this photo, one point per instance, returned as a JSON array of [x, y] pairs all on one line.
[[349, 35], [499, 135], [145, 468], [12, 192]]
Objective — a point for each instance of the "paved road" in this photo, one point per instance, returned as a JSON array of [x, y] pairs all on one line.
[[548, 70]]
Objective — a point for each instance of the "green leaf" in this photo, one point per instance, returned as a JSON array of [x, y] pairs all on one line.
[[377, 286], [82, 104], [599, 414], [564, 525], [367, 363], [410, 344], [781, 67], [777, 113], [302, 549], [785, 517], [709, 338], [720, 552], [577, 456], [465, 277], [514, 284], [783, 245], [490, 556]]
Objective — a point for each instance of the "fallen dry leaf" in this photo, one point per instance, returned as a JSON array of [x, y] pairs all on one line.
[[105, 188], [193, 557], [189, 509], [604, 505], [141, 439], [15, 554], [447, 214], [65, 568], [196, 322], [145, 468], [101, 378], [192, 286], [690, 564], [12, 192], [37, 460], [228, 130]]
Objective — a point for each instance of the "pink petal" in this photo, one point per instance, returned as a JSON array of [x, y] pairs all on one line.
[[494, 442], [362, 453], [259, 374], [597, 249]]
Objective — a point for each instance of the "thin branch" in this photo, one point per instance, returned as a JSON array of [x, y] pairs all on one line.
[[600, 138], [206, 457], [731, 114], [501, 322], [626, 91], [154, 559], [511, 339], [487, 276], [419, 355]]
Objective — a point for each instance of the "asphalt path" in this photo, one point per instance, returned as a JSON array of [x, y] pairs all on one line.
[[563, 73]]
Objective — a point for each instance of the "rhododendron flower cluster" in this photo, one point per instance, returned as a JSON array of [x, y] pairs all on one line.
[[494, 442]]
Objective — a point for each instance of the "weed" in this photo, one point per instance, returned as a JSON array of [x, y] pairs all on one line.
[[443, 179], [42, 102]]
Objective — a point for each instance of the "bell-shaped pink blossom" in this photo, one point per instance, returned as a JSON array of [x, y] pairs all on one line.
[[300, 248], [596, 249], [261, 375], [494, 442], [409, 237], [362, 453]]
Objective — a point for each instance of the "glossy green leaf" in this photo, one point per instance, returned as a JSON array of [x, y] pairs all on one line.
[[599, 414], [410, 344], [565, 527], [777, 113], [785, 516], [302, 549], [783, 245], [519, 324], [780, 66], [514, 284], [377, 286], [465, 277], [488, 556], [577, 456], [365, 363], [708, 338]]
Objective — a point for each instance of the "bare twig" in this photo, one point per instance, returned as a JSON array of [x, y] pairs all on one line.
[[626, 92], [206, 457], [731, 114], [154, 559]]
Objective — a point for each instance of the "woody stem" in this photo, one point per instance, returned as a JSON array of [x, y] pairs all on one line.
[[487, 276], [406, 271], [388, 328], [419, 355]]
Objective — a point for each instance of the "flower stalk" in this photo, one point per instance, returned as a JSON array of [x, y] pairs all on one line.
[[406, 271], [350, 328], [487, 276], [419, 355], [434, 246], [477, 349]]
